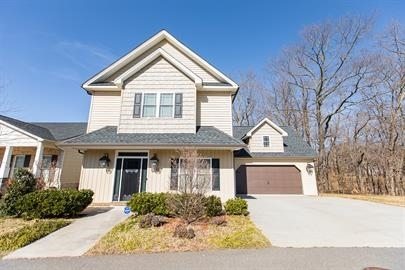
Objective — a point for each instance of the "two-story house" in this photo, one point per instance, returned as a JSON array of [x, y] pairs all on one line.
[[162, 97]]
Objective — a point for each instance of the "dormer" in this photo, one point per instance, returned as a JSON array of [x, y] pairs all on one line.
[[265, 137]]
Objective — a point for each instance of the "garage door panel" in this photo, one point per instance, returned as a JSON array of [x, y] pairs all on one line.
[[269, 180]]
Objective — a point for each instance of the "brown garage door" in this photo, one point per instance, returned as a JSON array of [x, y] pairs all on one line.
[[268, 180]]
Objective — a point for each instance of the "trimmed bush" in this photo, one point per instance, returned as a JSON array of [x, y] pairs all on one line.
[[53, 203], [23, 183], [190, 207], [146, 202], [236, 206], [213, 206]]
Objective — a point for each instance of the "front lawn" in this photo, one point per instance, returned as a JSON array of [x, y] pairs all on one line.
[[386, 199], [127, 237], [16, 232]]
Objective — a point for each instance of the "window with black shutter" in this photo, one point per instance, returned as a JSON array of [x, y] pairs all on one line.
[[137, 105], [174, 174], [178, 106], [216, 183]]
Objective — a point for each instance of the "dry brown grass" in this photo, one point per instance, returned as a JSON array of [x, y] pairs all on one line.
[[16, 233], [385, 199], [127, 237]]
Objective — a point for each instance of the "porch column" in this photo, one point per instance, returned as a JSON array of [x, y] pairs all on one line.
[[5, 163], [36, 167]]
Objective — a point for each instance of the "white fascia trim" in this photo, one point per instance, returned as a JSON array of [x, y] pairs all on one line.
[[220, 88], [158, 53], [150, 43], [21, 131], [273, 125], [197, 58]]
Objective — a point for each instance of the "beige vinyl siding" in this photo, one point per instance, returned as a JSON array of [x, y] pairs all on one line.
[[308, 180], [12, 137], [185, 60], [100, 180], [215, 109], [159, 77], [256, 141], [104, 110], [178, 55], [71, 161], [160, 182]]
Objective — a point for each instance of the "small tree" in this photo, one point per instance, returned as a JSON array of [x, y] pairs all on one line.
[[194, 181]]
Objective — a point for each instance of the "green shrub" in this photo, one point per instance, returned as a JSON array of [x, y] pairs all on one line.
[[190, 207], [213, 206], [236, 206], [29, 233], [146, 202], [23, 183], [53, 203]]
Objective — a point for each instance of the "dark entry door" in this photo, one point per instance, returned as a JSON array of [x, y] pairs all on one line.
[[131, 172]]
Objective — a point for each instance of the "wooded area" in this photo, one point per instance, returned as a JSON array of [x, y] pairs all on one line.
[[341, 87]]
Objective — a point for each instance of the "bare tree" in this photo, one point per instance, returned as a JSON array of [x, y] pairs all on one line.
[[193, 183], [325, 73], [248, 102]]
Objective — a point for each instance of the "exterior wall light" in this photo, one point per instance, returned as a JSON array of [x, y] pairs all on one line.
[[310, 168], [104, 161], [155, 163]]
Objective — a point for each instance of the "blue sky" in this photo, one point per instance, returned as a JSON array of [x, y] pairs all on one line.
[[49, 48]]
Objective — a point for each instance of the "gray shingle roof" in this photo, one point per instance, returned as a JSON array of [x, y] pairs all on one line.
[[205, 136], [28, 127], [64, 130], [294, 146], [48, 131]]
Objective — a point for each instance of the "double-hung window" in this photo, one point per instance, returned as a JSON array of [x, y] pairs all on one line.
[[149, 105], [266, 141], [200, 174], [166, 105]]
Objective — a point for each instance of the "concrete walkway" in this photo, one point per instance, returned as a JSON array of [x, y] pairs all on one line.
[[76, 238], [304, 221]]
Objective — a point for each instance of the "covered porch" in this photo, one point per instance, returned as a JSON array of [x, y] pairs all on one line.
[[40, 158]]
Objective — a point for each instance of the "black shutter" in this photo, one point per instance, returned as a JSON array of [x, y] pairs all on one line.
[[215, 174], [137, 105], [178, 106], [174, 174], [27, 160]]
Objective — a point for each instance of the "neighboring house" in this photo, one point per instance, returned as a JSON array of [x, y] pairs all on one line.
[[162, 97], [34, 146]]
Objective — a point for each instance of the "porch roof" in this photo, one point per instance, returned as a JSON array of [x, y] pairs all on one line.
[[108, 136]]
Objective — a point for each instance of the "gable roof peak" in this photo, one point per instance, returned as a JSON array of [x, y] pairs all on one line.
[[270, 123], [94, 82]]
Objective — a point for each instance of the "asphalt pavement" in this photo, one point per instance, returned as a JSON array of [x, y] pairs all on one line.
[[270, 258]]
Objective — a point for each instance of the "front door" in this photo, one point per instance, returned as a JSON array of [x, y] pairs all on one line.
[[130, 176]]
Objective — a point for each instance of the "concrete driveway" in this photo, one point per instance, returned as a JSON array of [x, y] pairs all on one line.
[[303, 221]]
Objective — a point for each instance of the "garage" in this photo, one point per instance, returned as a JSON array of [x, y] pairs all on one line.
[[266, 179]]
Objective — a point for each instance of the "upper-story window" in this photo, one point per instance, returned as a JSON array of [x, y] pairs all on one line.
[[166, 105], [149, 105], [158, 105], [266, 141]]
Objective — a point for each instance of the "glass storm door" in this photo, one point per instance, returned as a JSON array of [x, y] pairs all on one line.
[[130, 177]]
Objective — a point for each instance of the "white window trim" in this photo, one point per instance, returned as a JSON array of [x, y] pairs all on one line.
[[268, 141], [157, 104], [210, 163]]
